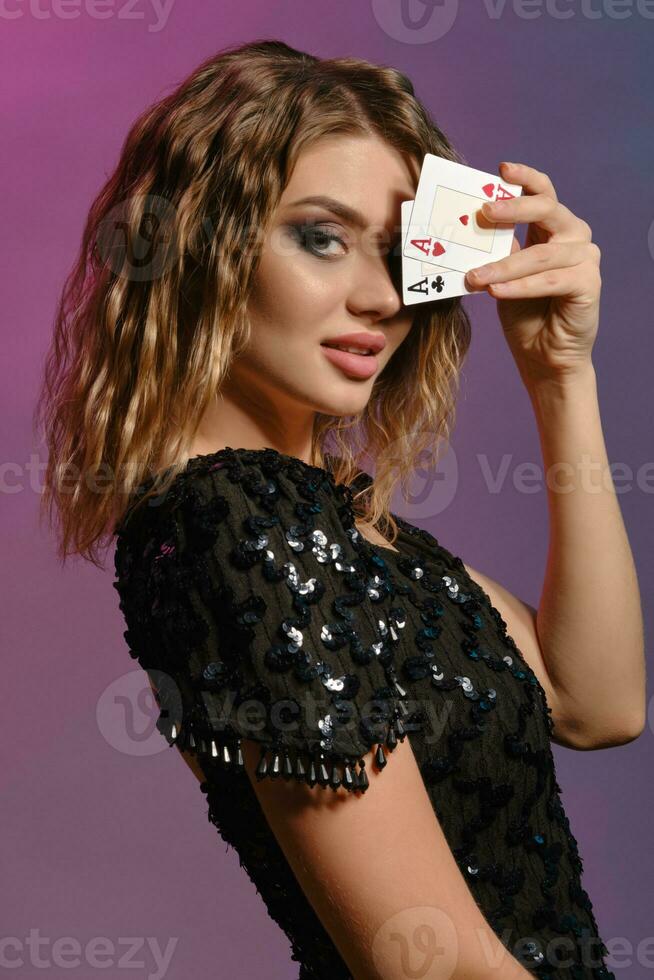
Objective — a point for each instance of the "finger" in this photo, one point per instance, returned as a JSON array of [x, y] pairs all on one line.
[[533, 181], [530, 261], [539, 209], [555, 282]]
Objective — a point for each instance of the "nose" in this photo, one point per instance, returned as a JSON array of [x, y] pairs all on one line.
[[376, 288]]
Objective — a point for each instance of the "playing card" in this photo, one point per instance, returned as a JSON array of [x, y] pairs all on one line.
[[445, 227], [422, 281]]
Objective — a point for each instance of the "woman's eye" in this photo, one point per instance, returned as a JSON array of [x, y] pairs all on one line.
[[314, 239]]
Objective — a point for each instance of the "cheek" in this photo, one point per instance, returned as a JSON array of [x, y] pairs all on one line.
[[289, 308], [290, 285]]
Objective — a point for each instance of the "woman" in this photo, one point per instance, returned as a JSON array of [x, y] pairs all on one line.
[[296, 633]]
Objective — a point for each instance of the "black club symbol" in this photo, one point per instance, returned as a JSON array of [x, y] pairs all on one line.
[[438, 284]]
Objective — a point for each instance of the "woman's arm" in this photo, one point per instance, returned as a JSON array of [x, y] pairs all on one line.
[[585, 641], [381, 877], [589, 620]]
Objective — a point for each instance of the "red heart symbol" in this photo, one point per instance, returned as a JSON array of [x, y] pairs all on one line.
[[437, 249], [488, 189], [464, 219]]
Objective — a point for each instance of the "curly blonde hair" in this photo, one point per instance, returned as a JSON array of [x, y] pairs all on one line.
[[143, 340]]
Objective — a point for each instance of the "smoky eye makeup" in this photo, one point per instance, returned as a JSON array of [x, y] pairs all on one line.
[[317, 238]]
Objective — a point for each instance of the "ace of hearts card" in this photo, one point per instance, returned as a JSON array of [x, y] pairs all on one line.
[[445, 228]]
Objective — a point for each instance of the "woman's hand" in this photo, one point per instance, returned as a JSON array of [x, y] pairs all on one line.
[[548, 292]]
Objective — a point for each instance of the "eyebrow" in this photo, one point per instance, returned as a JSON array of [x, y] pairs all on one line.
[[349, 214]]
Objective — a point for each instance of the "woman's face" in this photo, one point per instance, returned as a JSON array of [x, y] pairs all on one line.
[[322, 275]]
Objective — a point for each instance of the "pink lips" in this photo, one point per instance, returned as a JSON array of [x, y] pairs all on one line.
[[356, 365]]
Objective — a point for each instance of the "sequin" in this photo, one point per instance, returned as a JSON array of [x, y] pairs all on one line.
[[250, 586]]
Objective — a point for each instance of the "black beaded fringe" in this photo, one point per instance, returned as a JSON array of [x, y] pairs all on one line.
[[276, 761]]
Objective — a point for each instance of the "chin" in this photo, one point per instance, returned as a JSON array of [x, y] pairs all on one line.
[[344, 402]]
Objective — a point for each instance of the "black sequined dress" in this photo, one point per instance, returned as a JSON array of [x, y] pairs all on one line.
[[259, 611]]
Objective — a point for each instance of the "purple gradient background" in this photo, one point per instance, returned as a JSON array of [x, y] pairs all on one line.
[[99, 842]]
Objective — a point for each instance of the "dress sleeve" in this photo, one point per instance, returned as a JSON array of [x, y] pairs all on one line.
[[251, 597]]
